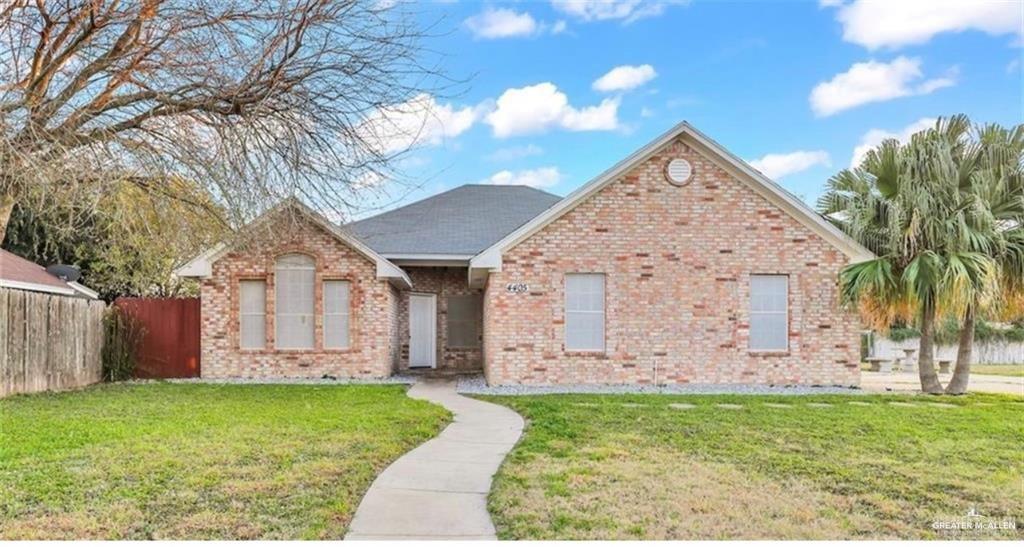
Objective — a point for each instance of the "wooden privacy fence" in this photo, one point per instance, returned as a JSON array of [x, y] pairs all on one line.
[[49, 342], [170, 340]]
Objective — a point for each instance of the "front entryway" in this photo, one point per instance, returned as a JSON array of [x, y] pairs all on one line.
[[422, 331]]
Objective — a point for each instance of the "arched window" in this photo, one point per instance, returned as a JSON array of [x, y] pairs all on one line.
[[294, 303]]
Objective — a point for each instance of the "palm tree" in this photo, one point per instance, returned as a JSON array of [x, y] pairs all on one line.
[[905, 203], [990, 223]]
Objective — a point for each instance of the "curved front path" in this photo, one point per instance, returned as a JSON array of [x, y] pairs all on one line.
[[439, 489]]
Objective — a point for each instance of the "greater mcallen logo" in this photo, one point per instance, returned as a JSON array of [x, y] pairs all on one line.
[[974, 521]]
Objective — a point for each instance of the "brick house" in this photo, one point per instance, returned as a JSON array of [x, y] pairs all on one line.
[[679, 264]]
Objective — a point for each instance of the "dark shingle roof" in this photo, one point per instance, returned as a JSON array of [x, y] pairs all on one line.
[[463, 220]]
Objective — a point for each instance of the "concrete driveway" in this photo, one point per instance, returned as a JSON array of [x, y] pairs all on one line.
[[909, 382]]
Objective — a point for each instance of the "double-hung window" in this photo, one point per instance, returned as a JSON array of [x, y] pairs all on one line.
[[769, 313], [584, 312], [336, 314], [252, 314], [294, 303]]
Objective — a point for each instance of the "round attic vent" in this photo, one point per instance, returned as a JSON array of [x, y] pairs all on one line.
[[678, 171]]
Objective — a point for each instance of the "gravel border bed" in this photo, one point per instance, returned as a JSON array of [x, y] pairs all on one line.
[[475, 385], [397, 379]]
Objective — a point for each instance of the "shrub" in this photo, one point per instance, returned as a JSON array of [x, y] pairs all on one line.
[[122, 338]]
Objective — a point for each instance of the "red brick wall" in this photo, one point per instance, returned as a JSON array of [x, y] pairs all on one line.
[[372, 319], [443, 282], [677, 262]]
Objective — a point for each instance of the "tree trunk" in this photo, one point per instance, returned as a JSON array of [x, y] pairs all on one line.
[[962, 372], [6, 206], [926, 360]]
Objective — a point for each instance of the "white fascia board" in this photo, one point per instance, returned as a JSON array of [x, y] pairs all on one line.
[[490, 258], [423, 260], [425, 256], [35, 287], [394, 274], [84, 290]]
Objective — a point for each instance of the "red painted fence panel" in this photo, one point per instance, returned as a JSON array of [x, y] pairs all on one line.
[[170, 345]]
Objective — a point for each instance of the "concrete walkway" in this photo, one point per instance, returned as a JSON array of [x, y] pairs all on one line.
[[439, 489]]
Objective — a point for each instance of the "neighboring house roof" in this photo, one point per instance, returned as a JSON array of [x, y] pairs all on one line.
[[202, 265], [19, 273], [489, 259], [456, 224]]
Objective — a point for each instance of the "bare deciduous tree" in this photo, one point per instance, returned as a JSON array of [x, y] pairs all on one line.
[[252, 99]]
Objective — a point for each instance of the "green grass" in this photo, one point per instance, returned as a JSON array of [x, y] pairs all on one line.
[[1016, 370], [175, 461], [590, 468]]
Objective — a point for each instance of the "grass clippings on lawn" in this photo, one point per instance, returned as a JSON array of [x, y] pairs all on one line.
[[610, 471], [177, 461]]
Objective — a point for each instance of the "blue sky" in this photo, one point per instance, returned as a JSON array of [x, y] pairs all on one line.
[[802, 82]]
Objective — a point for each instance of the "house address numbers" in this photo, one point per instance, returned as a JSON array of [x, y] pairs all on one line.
[[517, 288]]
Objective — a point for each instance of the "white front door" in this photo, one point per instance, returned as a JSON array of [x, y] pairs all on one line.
[[423, 330]]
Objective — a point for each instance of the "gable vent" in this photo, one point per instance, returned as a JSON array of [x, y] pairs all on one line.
[[678, 172]]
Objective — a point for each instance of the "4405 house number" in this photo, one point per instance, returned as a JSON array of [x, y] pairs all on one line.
[[517, 288]]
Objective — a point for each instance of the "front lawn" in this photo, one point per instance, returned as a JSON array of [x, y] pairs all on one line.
[[199, 461], [603, 467]]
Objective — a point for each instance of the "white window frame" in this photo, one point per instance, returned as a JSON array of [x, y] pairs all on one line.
[[474, 322], [277, 301], [242, 314], [784, 313], [345, 312], [602, 313]]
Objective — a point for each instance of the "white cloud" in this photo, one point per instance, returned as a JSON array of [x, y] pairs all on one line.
[[627, 11], [420, 121], [1013, 66], [559, 27], [646, 112], [544, 177], [625, 77], [501, 23], [874, 81], [875, 137], [875, 24], [537, 108], [775, 166], [515, 153]]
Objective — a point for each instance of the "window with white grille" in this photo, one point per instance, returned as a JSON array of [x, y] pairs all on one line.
[[252, 314], [294, 301], [769, 312], [464, 321], [336, 314], [584, 312]]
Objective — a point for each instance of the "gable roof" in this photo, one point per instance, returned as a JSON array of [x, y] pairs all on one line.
[[202, 265], [19, 273], [458, 223], [490, 258]]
